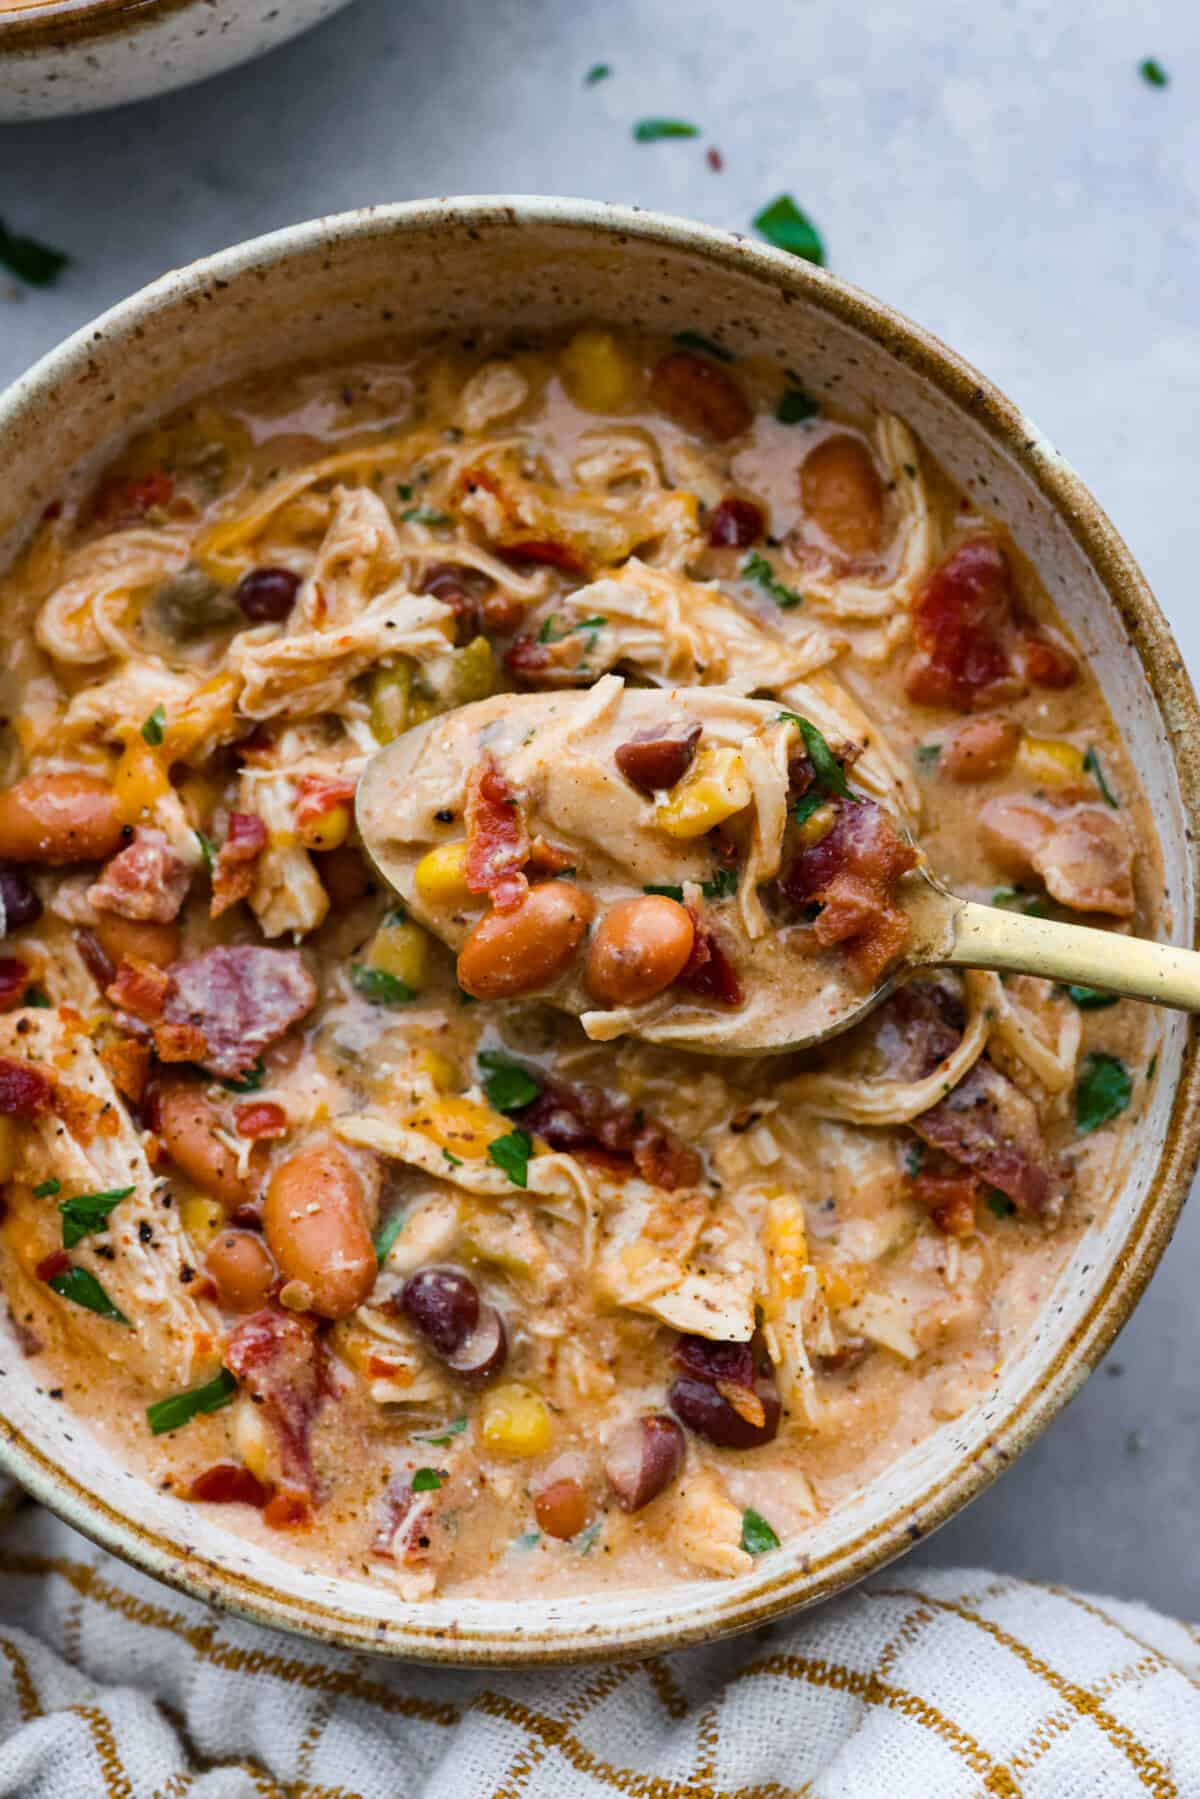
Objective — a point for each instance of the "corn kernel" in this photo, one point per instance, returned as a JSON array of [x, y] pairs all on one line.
[[817, 825], [140, 781], [842, 1283], [401, 948], [597, 372], [1048, 762], [787, 1245], [201, 1219], [714, 788], [516, 1421], [440, 878], [461, 1125], [439, 1069]]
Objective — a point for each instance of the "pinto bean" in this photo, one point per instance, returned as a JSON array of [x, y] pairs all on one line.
[[514, 952], [122, 939], [981, 748], [842, 493], [240, 1264], [654, 759], [59, 818], [187, 1122], [699, 396], [640, 947], [315, 1219], [643, 1458]]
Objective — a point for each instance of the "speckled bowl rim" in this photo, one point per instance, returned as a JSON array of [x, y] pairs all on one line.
[[1148, 1233], [77, 22]]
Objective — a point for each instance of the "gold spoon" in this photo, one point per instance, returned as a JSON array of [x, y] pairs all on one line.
[[410, 800]]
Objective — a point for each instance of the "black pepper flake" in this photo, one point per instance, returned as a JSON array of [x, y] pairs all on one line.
[[445, 816], [187, 1274], [145, 1232]]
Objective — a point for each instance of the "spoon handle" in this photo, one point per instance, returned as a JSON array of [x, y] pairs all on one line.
[[989, 937]]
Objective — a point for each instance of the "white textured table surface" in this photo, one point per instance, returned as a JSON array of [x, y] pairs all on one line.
[[999, 172]]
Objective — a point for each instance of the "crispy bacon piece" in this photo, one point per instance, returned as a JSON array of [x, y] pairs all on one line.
[[1084, 854], [260, 1118], [949, 1199], [236, 867], [124, 502], [96, 958], [144, 880], [15, 977], [318, 794], [140, 989], [736, 524], [128, 1065], [404, 1520], [656, 758], [709, 972], [589, 1122], [852, 874], [280, 1361], [699, 396], [225, 1007], [962, 622], [227, 1483], [497, 838], [26, 1088]]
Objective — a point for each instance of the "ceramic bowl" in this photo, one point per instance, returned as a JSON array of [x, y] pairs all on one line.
[[480, 264], [59, 56]]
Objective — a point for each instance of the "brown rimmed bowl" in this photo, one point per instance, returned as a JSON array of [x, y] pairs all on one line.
[[63, 56], [520, 264]]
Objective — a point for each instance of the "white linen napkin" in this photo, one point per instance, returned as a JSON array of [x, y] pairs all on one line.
[[918, 1685]]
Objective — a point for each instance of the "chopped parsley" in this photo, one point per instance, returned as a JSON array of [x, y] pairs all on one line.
[[585, 1542], [756, 568], [1013, 899], [35, 997], [207, 851], [1091, 763], [999, 1203], [806, 805], [441, 1434], [593, 626], [30, 261], [914, 1156], [1152, 72], [1102, 1091], [511, 1154], [378, 986], [649, 131], [828, 773], [181, 1408], [783, 224], [154, 728], [1151, 1065], [599, 71], [757, 1535], [427, 1480], [88, 1212], [667, 889], [386, 1236], [82, 1288], [529, 1539], [695, 340], [508, 1084], [251, 1081], [454, 1161], [47, 1189], [927, 754], [424, 515], [795, 407], [1090, 999]]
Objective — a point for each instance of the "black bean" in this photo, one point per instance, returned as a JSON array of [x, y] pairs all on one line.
[[267, 595], [21, 904], [644, 1457], [443, 1304]]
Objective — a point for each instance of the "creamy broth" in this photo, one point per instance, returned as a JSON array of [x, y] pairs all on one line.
[[343, 1228]]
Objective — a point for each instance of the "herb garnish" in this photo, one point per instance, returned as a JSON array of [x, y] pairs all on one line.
[[511, 1154], [154, 728], [783, 224], [795, 406], [914, 1156], [648, 131], [424, 515], [999, 1203], [585, 1541], [528, 1539], [1152, 72], [47, 1189], [927, 754], [443, 1434], [181, 1408], [667, 889], [756, 568], [378, 986], [806, 805], [35, 997], [757, 1535], [251, 1081], [1102, 1091], [386, 1236], [1013, 899], [427, 1480], [207, 850], [695, 340], [508, 1084], [828, 773], [1151, 1065], [30, 261], [1091, 763], [599, 71], [593, 626], [83, 1289], [723, 884], [1090, 999], [88, 1212]]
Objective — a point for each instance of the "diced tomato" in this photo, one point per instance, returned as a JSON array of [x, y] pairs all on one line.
[[288, 1511], [126, 502], [949, 1199], [963, 625], [26, 1088], [229, 1484], [497, 839], [1046, 663], [260, 1118], [51, 1266]]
